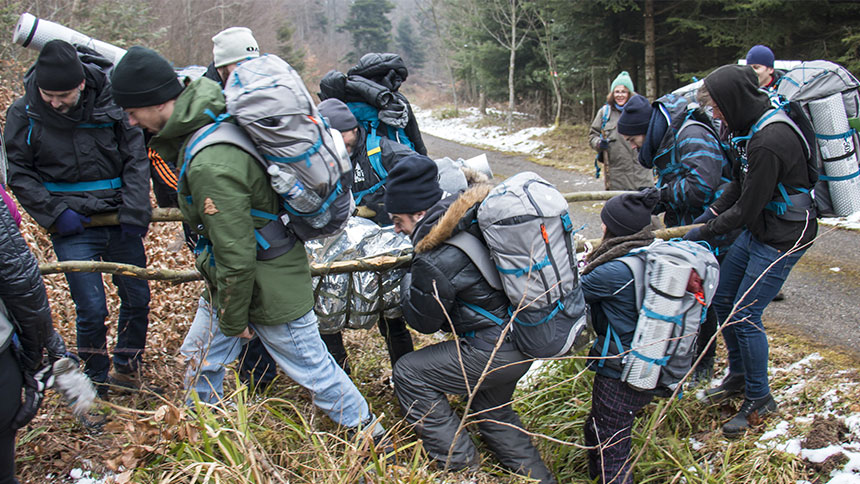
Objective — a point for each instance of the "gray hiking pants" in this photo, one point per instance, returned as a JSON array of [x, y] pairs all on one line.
[[424, 377]]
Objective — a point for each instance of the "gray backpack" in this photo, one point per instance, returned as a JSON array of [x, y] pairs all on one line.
[[269, 100], [828, 96], [527, 229], [675, 282]]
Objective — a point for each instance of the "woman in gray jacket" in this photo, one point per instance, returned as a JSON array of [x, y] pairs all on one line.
[[620, 168]]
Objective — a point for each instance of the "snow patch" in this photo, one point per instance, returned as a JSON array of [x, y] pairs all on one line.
[[850, 222], [463, 130], [780, 429]]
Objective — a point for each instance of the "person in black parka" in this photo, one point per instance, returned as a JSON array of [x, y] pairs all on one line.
[[423, 378]]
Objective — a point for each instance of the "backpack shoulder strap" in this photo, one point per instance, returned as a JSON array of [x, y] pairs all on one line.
[[636, 264], [480, 255], [218, 133]]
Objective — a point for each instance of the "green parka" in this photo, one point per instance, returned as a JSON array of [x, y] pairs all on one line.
[[224, 184]]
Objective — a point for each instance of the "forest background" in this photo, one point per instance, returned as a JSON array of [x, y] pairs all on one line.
[[553, 59]]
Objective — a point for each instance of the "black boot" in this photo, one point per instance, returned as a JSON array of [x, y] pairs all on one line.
[[731, 386], [740, 423]]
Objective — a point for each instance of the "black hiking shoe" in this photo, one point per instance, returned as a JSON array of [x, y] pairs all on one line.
[[751, 413], [780, 296], [730, 387]]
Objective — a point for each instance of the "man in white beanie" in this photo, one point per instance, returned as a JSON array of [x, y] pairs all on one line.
[[232, 46]]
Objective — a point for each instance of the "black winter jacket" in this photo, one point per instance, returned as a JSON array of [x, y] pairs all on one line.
[[92, 142], [365, 177], [775, 155], [375, 80], [23, 293], [457, 278]]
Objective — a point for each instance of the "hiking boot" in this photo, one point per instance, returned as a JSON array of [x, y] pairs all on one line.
[[780, 296], [122, 379], [732, 385], [751, 413], [703, 373]]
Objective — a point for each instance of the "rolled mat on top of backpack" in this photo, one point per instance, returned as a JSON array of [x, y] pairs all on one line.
[[839, 154], [669, 280]]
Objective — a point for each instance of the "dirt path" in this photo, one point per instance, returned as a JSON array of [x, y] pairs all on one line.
[[822, 304]]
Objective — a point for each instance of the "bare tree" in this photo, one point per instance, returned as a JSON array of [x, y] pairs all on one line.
[[546, 38], [513, 17]]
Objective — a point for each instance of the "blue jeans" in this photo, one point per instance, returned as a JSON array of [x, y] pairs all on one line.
[[87, 288], [744, 333], [295, 346]]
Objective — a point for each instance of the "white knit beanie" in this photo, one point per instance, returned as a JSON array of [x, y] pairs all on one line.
[[233, 45]]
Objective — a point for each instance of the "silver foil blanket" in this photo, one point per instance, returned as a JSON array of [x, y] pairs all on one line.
[[358, 299]]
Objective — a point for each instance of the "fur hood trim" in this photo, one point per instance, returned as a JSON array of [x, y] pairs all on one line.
[[445, 227]]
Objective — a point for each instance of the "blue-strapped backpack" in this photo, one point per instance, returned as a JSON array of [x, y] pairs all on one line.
[[528, 251], [675, 282], [820, 97], [280, 125], [368, 117]]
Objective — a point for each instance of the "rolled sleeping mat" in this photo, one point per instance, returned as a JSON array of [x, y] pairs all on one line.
[[838, 152], [664, 295], [34, 33]]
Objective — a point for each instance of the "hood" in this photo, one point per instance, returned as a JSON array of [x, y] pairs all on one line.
[[189, 115], [96, 104], [734, 89], [445, 223], [668, 110]]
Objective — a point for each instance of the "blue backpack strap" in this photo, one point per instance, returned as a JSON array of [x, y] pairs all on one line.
[[84, 186], [605, 351], [483, 312]]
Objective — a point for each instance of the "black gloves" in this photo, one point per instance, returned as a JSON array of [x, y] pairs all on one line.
[[34, 392]]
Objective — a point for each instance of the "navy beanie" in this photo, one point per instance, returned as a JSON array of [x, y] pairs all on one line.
[[338, 114], [58, 67], [635, 117], [761, 55], [629, 213], [412, 185]]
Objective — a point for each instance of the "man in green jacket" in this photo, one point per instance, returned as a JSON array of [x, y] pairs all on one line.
[[252, 294]]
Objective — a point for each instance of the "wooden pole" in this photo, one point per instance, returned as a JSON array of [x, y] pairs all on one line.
[[372, 264]]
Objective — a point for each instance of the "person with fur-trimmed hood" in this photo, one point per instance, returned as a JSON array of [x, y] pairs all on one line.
[[607, 284], [444, 283]]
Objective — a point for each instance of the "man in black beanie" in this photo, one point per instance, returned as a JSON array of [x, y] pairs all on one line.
[[424, 378], [73, 154], [252, 290]]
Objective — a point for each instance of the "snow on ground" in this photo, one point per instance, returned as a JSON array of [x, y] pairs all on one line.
[[850, 222], [463, 130]]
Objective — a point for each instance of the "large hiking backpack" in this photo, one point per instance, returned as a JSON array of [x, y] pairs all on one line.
[[368, 117], [826, 97], [529, 253], [268, 99], [675, 282]]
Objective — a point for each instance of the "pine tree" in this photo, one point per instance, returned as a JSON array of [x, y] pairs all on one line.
[[369, 26], [411, 49], [287, 49]]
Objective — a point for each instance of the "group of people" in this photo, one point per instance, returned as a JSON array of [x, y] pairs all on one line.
[[731, 178], [76, 149]]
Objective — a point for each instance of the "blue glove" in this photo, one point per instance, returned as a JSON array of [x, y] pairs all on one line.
[[70, 223], [694, 234], [703, 219], [131, 230], [603, 145]]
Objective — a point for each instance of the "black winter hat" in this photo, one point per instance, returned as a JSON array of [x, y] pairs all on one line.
[[58, 67], [635, 117], [629, 213], [143, 78], [412, 185], [338, 114]]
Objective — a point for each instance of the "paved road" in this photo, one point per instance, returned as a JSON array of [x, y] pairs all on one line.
[[822, 293]]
